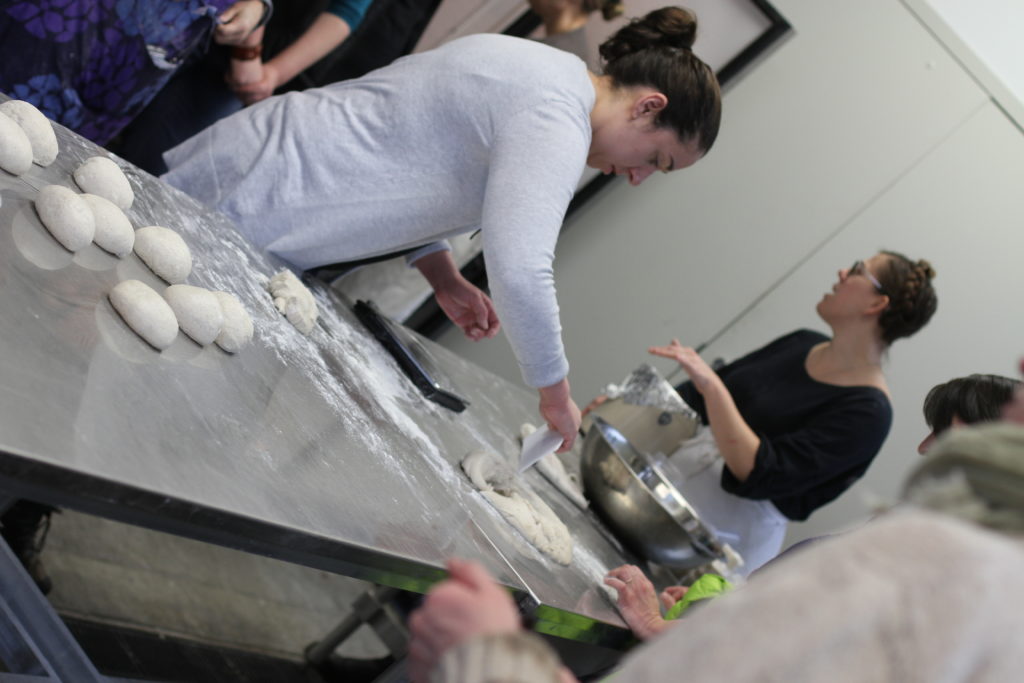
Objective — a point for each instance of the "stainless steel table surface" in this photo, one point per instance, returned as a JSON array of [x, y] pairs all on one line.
[[315, 450]]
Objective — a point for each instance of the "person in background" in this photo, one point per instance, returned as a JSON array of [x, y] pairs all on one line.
[[791, 426], [965, 401], [221, 82], [565, 24], [957, 403], [487, 132], [93, 66]]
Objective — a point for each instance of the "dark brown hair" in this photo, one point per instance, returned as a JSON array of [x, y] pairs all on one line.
[[655, 51], [912, 300], [972, 399]]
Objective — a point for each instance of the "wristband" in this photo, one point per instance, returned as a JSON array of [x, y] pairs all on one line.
[[245, 53]]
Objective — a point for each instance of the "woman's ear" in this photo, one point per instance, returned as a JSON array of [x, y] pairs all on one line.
[[881, 303], [648, 104]]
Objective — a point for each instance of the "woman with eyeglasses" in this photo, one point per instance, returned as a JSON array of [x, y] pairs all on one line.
[[792, 425]]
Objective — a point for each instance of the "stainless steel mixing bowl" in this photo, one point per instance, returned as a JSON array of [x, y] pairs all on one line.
[[646, 512]]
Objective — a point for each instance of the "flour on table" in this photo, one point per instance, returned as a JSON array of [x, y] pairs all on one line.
[[15, 148], [100, 175], [146, 312], [67, 216], [37, 128], [164, 252], [114, 232], [198, 312], [520, 506], [237, 329], [554, 471], [294, 300]]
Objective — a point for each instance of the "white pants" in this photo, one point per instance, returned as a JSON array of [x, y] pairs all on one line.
[[754, 528]]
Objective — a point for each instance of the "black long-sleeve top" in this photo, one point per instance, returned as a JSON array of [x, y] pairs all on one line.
[[816, 439]]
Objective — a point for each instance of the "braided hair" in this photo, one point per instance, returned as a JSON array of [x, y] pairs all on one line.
[[912, 299], [654, 51]]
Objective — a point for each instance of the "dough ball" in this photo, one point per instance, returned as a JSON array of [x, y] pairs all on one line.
[[146, 312], [66, 215], [114, 232], [521, 507], [15, 148], [238, 328], [100, 175], [37, 128], [293, 300], [164, 252], [198, 312]]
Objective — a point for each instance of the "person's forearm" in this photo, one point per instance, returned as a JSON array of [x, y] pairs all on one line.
[[736, 441], [327, 32], [437, 268]]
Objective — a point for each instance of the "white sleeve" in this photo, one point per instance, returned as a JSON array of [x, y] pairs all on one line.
[[427, 249], [536, 161]]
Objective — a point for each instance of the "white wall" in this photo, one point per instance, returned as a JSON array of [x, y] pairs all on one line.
[[860, 132]]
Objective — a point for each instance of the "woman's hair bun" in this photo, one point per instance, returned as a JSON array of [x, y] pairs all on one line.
[[672, 27], [926, 270]]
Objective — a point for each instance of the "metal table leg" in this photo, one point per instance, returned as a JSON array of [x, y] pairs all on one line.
[[33, 639], [375, 609]]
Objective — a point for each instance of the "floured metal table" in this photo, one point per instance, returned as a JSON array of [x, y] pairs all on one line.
[[315, 450]]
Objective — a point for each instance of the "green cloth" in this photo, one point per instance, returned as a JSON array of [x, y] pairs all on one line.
[[704, 588]]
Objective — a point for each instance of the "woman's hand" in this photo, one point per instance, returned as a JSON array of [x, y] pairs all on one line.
[[700, 372], [464, 303], [469, 308], [238, 21], [638, 601], [671, 595], [251, 93], [560, 412], [466, 605]]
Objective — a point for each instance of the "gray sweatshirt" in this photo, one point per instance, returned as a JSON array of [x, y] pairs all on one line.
[[487, 132]]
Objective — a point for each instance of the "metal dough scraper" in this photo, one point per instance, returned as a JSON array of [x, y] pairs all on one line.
[[535, 446]]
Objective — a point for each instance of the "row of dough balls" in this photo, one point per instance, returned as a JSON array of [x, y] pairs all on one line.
[[205, 316], [78, 220], [25, 136]]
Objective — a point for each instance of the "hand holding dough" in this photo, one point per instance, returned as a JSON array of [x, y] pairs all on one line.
[[100, 175], [15, 148], [164, 252], [66, 215], [37, 128], [146, 312]]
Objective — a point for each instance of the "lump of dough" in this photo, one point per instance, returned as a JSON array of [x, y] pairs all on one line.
[[114, 232], [238, 328], [520, 506], [198, 312], [37, 127], [66, 215], [15, 148], [293, 300], [146, 312], [164, 252], [100, 175]]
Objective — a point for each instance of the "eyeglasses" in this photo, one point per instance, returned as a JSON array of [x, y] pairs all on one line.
[[858, 268]]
